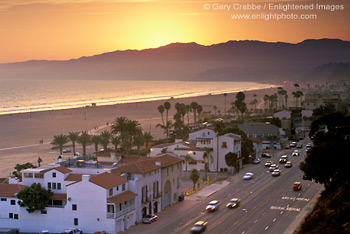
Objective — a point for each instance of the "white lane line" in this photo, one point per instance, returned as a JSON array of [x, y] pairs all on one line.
[[266, 228], [255, 221], [281, 212], [274, 220]]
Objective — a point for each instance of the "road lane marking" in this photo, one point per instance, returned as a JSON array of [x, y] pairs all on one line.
[[274, 220], [255, 221], [266, 228]]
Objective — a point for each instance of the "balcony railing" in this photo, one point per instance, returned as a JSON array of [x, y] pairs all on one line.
[[125, 210]]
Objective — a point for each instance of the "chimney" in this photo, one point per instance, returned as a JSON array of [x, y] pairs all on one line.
[[158, 164], [85, 177], [13, 180]]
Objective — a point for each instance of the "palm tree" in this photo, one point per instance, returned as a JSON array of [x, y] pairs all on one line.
[[84, 139], [138, 139], [126, 129], [206, 157], [165, 128], [266, 101], [115, 141], [199, 111], [148, 137], [96, 139], [188, 110], [161, 111], [39, 161], [73, 136], [215, 108], [194, 177], [60, 141], [105, 137], [194, 106], [187, 159], [167, 106], [225, 95]]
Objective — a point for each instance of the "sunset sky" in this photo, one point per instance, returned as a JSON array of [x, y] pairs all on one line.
[[66, 29]]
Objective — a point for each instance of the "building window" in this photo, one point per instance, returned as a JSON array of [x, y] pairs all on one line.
[[76, 222], [28, 175], [123, 187], [54, 174], [38, 175], [172, 168], [74, 207], [117, 188], [224, 145], [11, 215], [178, 182], [125, 203], [59, 186], [3, 199], [16, 216], [49, 185], [120, 206], [13, 202], [53, 186], [173, 181], [111, 192]]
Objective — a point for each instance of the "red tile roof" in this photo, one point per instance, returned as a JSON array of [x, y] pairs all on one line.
[[142, 167], [107, 180], [63, 170], [10, 190], [166, 160], [122, 197], [74, 177]]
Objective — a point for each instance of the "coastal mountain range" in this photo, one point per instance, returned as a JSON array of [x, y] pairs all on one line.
[[313, 60]]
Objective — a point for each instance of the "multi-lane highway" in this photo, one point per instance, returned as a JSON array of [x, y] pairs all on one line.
[[268, 204]]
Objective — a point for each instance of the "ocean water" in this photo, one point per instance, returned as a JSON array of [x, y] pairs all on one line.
[[20, 96]]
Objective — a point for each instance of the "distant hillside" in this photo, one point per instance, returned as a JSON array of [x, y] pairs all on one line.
[[329, 72], [231, 61]]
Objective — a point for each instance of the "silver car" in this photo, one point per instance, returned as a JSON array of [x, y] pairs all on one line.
[[248, 176]]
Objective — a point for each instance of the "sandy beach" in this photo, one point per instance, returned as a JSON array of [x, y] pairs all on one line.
[[20, 134]]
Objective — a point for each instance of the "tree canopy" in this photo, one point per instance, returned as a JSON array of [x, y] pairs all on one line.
[[231, 160], [194, 176], [327, 161], [34, 197]]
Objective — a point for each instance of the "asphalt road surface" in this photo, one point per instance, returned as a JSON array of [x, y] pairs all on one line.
[[268, 204]]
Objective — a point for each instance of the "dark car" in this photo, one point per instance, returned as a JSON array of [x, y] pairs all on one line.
[[268, 164], [273, 167], [233, 203], [149, 218], [276, 172], [265, 155], [256, 161], [299, 146], [296, 186], [288, 164], [283, 159], [309, 145], [199, 226]]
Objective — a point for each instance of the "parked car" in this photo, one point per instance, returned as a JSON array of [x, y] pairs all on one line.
[[268, 164], [45, 232], [234, 202], [283, 159], [288, 164], [248, 176], [66, 151], [213, 205], [296, 186], [149, 218], [265, 155], [276, 172], [273, 167], [199, 226], [256, 161], [72, 231]]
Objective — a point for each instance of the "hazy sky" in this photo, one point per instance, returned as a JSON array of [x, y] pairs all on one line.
[[65, 29]]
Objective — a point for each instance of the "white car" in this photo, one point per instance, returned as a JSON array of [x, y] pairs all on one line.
[[248, 176], [213, 205], [72, 231]]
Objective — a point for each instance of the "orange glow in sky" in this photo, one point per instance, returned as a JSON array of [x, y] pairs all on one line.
[[66, 29]]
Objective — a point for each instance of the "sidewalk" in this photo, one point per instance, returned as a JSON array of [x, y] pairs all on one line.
[[207, 191]]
